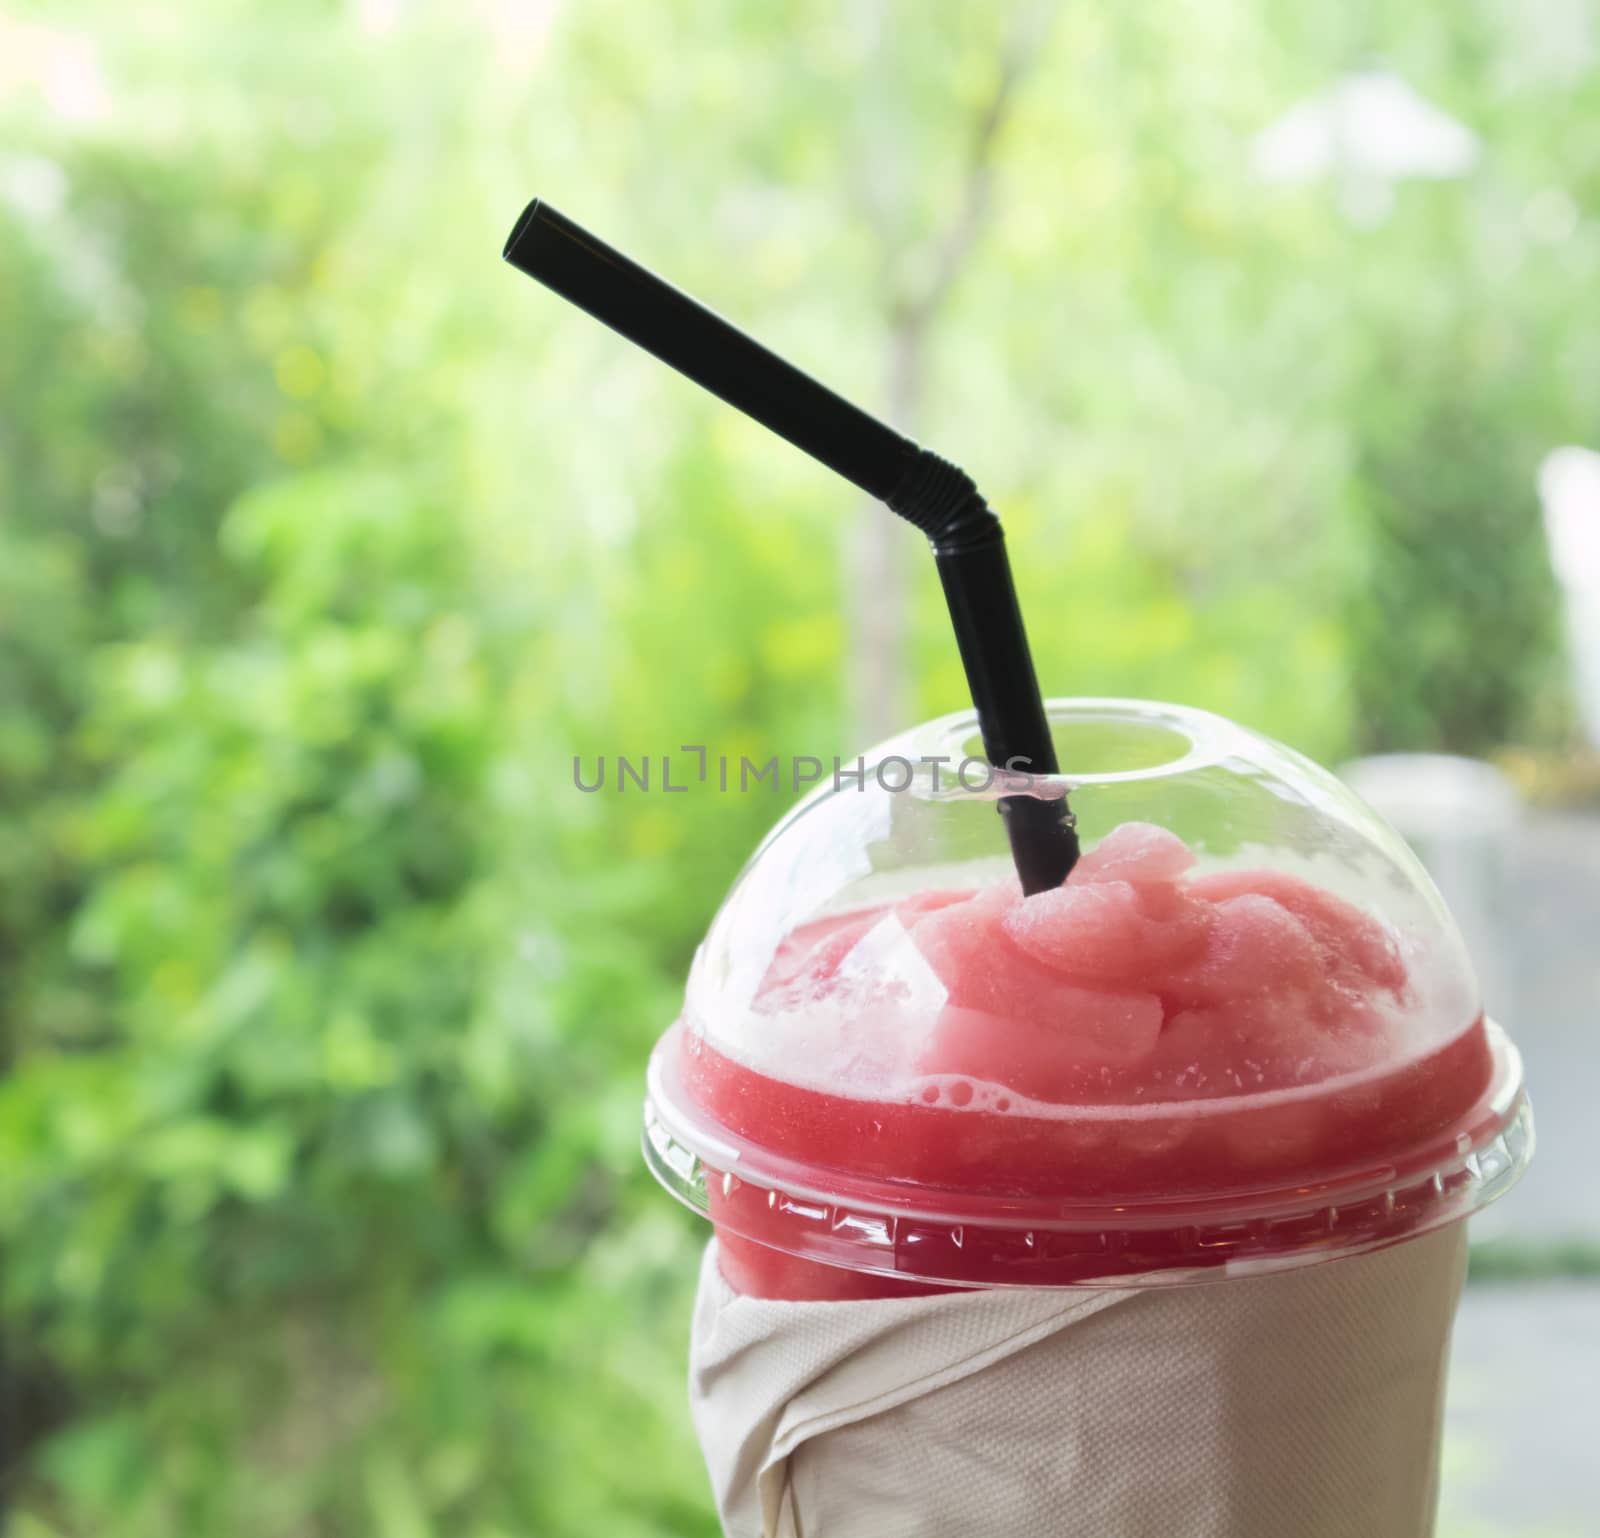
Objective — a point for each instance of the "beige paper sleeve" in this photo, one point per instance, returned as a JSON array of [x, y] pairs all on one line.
[[1304, 1404]]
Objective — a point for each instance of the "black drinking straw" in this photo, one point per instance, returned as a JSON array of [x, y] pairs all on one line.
[[922, 488]]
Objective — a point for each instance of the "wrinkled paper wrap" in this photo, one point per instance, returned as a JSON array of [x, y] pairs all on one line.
[[1304, 1404]]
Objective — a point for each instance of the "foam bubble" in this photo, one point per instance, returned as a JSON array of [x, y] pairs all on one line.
[[956, 1092]]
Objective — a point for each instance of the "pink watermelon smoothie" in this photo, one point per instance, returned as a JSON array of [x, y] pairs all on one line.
[[1139, 1033]]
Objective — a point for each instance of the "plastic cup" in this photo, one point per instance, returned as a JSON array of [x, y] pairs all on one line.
[[1244, 1037]]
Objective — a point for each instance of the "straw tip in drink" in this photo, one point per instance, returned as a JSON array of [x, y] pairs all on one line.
[[527, 220]]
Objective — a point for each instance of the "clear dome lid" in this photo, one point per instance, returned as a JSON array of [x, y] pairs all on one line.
[[1245, 1031]]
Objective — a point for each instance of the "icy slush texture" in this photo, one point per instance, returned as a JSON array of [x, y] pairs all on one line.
[[1135, 982]]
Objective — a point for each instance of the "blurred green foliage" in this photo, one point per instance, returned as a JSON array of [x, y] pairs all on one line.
[[326, 542]]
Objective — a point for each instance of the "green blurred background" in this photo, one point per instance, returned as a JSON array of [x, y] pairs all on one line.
[[326, 541]]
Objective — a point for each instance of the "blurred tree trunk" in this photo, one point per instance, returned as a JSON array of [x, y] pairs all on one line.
[[878, 552], [878, 549]]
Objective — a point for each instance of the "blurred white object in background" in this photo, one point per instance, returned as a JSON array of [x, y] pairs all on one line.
[[1367, 131], [1460, 815], [1569, 488]]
